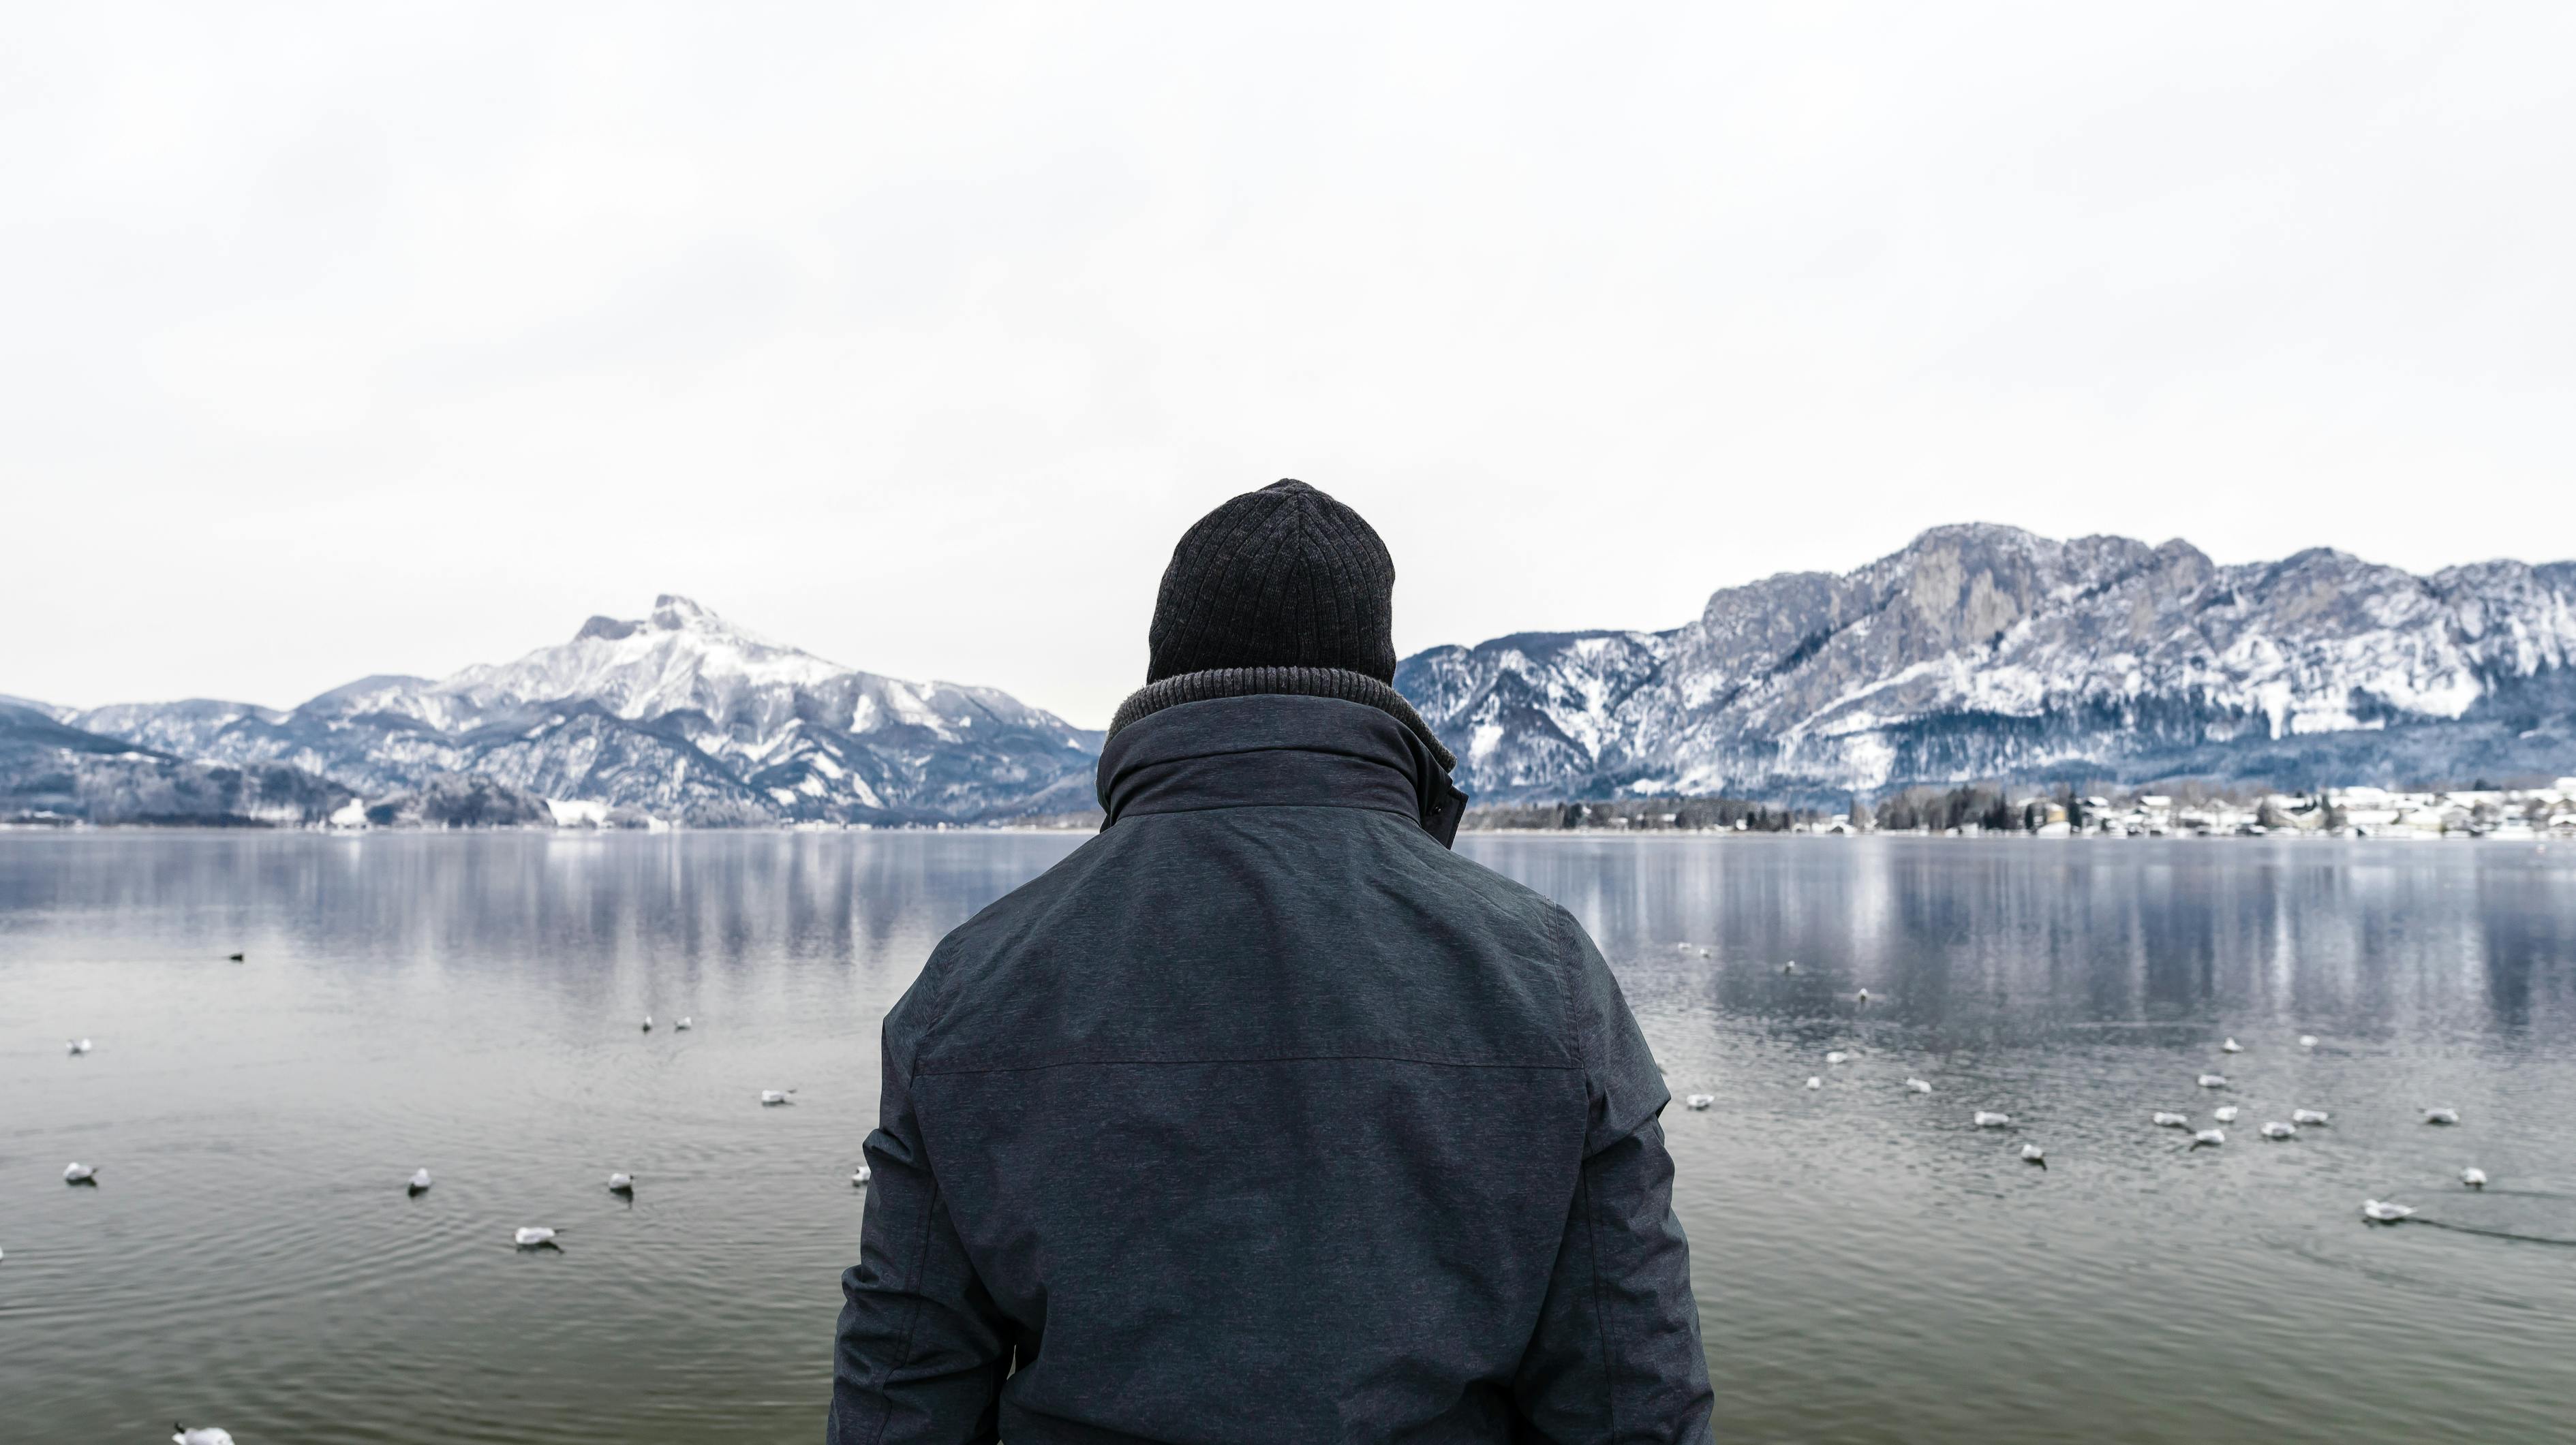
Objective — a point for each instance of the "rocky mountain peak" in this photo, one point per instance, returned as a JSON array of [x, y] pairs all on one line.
[[1981, 651], [674, 612]]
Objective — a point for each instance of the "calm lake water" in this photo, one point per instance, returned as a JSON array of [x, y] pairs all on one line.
[[1871, 1267]]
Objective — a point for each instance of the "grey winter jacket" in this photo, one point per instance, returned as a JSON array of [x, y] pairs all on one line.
[[1265, 1117]]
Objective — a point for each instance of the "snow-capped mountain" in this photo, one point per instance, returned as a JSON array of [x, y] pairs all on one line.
[[679, 715], [1983, 652], [50, 770]]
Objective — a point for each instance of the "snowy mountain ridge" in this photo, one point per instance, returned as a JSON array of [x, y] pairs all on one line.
[[1982, 652], [679, 714]]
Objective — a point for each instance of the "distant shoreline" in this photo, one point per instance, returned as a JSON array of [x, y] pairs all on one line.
[[264, 830]]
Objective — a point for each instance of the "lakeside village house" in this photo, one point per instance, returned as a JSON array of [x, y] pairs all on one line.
[[2503, 813], [2506, 813]]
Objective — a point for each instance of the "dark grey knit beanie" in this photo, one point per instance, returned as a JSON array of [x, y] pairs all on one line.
[[1281, 577]]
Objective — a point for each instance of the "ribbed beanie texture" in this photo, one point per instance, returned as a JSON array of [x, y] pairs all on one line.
[[1281, 577]]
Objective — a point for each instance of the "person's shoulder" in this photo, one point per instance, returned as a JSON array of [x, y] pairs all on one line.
[[996, 924], [992, 932], [1507, 899]]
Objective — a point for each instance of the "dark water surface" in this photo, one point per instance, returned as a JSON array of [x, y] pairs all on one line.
[[1871, 1267]]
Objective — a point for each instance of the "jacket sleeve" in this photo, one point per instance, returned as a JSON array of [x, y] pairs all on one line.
[[1617, 1353], [922, 1350]]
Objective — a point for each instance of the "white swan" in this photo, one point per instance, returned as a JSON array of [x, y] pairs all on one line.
[[776, 1096], [1837, 1056], [202, 1435], [79, 1173], [2441, 1116], [2307, 1041], [1699, 1101], [2164, 1119], [2225, 1113], [2373, 1209], [2308, 1116], [860, 1176], [533, 1237], [1988, 1119], [2474, 1177], [419, 1182], [2278, 1130], [1917, 1086], [621, 1182], [1814, 1083], [684, 1024], [2032, 1154], [77, 1046], [2231, 1047], [2208, 1138], [2213, 1081]]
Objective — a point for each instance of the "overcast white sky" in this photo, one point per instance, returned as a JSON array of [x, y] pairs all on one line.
[[341, 341]]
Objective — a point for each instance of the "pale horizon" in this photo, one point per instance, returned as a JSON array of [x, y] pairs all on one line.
[[355, 343]]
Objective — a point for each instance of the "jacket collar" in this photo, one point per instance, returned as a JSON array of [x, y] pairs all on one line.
[[1276, 750], [1338, 682]]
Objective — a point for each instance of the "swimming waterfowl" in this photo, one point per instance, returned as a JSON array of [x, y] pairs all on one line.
[[2031, 1154], [2379, 1213], [1861, 998], [2225, 1113], [419, 1182], [2213, 1081], [2166, 1120], [78, 1046], [859, 1177], [1699, 1101], [2474, 1177], [1814, 1083], [1988, 1119], [684, 1023], [533, 1237], [2231, 1047], [1790, 967], [2208, 1138], [79, 1173], [2307, 1116], [2441, 1116], [776, 1096], [2307, 1041], [1917, 1086], [202, 1435], [621, 1182], [2278, 1130], [1837, 1056], [648, 1023]]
